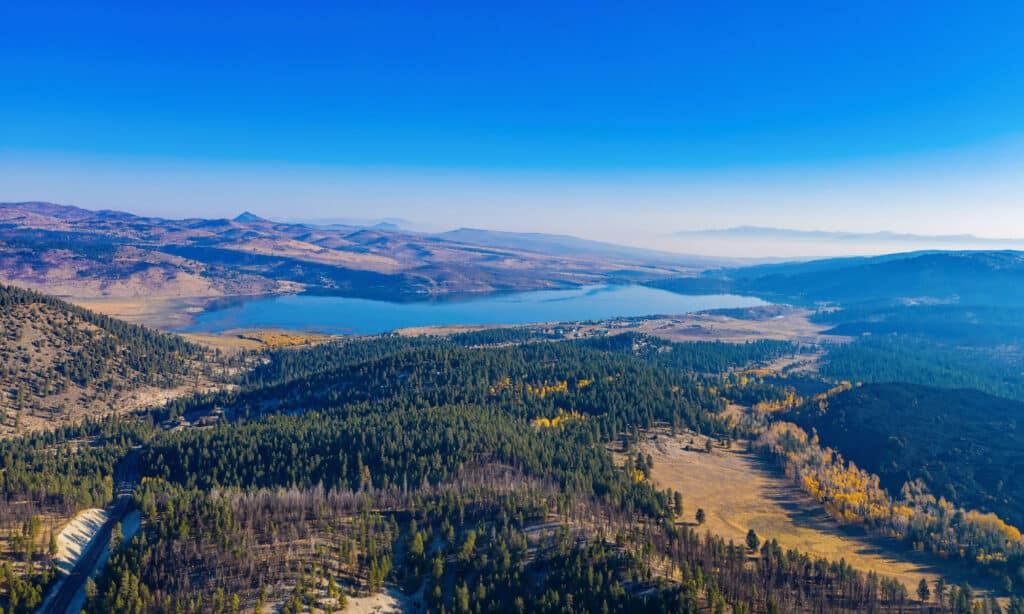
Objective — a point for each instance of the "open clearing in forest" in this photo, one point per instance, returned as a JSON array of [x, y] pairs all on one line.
[[783, 324], [390, 601], [740, 491]]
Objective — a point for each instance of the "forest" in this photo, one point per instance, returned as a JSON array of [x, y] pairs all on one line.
[[852, 495], [963, 445], [474, 472], [898, 358]]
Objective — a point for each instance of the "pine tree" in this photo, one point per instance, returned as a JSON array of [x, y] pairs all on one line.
[[752, 540], [922, 590]]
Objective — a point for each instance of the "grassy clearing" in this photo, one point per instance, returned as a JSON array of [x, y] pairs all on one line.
[[739, 491], [791, 325], [236, 340]]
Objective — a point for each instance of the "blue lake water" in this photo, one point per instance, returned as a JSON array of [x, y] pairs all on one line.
[[333, 314]]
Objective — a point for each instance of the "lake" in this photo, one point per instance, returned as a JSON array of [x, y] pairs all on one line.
[[335, 314]]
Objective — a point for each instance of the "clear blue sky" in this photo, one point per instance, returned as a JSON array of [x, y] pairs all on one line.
[[463, 112]]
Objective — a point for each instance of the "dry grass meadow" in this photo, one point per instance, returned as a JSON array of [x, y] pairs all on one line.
[[739, 491]]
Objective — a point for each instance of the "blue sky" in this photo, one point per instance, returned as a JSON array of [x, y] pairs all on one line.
[[586, 117]]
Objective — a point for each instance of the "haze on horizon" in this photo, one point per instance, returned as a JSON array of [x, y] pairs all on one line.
[[588, 119]]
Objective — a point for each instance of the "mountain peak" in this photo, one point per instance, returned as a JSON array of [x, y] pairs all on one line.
[[248, 216]]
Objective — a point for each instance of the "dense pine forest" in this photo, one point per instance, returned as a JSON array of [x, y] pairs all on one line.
[[472, 471], [478, 478], [904, 433], [915, 360], [947, 346]]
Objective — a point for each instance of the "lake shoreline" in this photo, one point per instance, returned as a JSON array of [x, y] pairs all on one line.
[[336, 315]]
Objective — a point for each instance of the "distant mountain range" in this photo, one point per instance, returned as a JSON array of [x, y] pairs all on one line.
[[565, 245], [756, 241], [787, 234], [77, 253], [994, 278], [384, 223], [82, 254]]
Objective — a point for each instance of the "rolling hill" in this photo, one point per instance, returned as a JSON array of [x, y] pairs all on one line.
[[993, 278], [60, 363], [82, 254], [964, 445]]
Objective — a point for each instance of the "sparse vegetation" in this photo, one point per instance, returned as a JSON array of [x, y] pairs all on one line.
[[60, 363]]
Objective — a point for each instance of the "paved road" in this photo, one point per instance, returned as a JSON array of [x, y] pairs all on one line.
[[126, 476]]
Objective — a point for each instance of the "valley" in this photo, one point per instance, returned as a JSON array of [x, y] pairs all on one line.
[[441, 463], [740, 491]]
